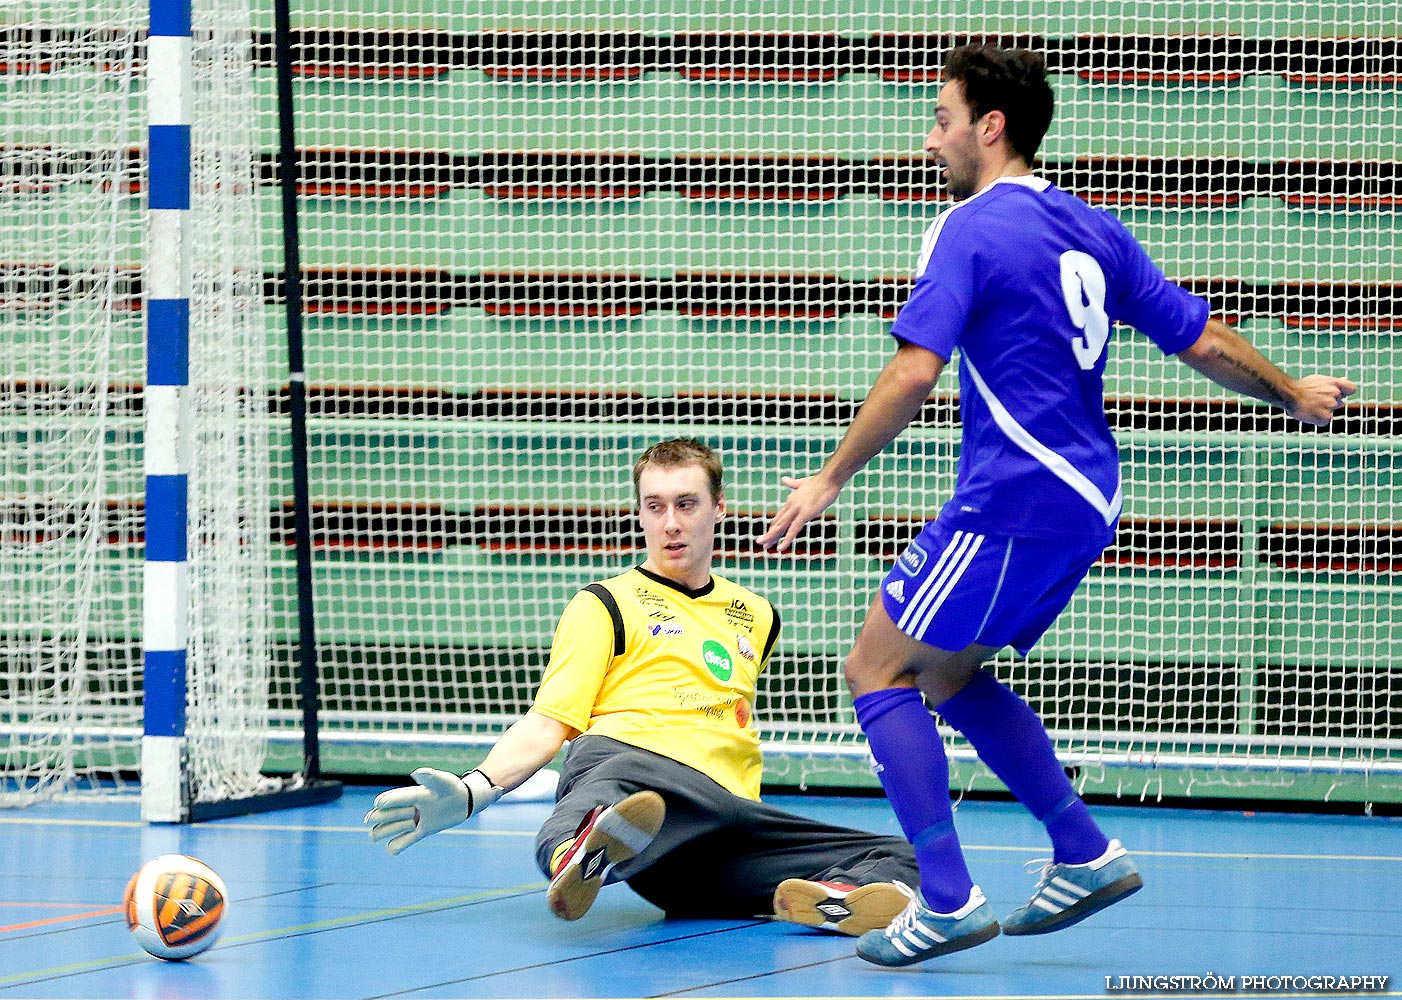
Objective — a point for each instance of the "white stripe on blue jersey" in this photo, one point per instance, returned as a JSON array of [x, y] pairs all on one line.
[[935, 573], [1059, 467], [941, 582]]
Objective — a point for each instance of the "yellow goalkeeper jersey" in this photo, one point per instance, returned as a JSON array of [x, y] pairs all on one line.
[[648, 662]]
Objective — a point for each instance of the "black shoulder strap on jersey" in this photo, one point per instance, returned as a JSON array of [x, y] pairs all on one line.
[[773, 633], [607, 599]]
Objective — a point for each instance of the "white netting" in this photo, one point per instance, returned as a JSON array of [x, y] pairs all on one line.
[[70, 459], [230, 492], [537, 241], [72, 234]]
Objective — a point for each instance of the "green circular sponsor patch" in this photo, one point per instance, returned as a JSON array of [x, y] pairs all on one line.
[[717, 660]]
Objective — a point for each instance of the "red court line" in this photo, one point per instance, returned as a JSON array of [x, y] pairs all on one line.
[[56, 920]]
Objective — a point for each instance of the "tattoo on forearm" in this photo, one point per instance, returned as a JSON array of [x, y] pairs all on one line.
[[1268, 392]]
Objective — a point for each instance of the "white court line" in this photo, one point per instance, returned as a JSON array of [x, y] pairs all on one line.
[[473, 832], [264, 827]]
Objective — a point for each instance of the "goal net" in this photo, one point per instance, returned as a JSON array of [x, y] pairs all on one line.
[[534, 242], [538, 241], [73, 253]]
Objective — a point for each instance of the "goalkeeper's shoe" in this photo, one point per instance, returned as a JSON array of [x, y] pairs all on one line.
[[919, 932], [839, 906], [607, 836], [1067, 894]]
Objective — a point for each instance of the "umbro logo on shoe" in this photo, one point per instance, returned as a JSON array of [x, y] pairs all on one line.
[[593, 863]]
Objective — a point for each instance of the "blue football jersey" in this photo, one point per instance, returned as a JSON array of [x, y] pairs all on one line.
[[1026, 281]]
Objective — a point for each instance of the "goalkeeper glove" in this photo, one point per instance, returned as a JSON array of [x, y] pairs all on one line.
[[440, 800]]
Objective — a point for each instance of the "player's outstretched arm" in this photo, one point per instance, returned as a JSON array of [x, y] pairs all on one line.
[[1226, 357], [894, 401], [440, 800]]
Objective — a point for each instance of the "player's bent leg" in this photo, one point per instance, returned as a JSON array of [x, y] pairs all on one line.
[[1067, 894], [883, 657], [607, 836], [907, 748], [1011, 740], [597, 772]]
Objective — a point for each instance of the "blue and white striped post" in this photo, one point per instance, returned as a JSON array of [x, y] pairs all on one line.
[[167, 433]]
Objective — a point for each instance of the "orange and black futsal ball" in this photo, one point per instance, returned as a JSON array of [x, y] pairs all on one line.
[[174, 906]]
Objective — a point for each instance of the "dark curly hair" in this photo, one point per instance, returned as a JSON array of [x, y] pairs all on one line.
[[1013, 81]]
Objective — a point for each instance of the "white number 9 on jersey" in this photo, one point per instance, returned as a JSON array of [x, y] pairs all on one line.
[[1083, 288]]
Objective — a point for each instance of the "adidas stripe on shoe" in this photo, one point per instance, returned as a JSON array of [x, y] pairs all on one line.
[[838, 906], [1067, 894], [919, 933], [607, 836]]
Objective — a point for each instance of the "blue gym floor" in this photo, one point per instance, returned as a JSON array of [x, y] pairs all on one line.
[[318, 913]]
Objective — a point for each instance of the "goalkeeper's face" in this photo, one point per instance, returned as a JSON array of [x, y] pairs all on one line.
[[679, 517]]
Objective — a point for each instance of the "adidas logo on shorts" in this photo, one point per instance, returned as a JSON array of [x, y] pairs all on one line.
[[896, 588]]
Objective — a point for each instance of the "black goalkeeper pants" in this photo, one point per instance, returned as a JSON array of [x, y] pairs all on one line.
[[717, 855]]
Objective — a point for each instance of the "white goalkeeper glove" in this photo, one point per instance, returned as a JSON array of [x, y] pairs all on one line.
[[439, 801]]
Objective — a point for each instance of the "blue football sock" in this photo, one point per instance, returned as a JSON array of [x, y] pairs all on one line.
[[910, 761], [1014, 744]]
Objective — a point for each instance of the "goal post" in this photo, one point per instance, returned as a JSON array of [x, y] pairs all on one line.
[[209, 637]]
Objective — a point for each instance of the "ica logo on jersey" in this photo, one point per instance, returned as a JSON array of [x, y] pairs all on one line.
[[740, 616]]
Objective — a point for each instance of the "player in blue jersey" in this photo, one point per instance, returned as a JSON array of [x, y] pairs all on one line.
[[1025, 281]]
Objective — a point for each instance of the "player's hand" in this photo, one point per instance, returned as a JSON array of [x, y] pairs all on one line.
[[440, 800], [1316, 397], [810, 497]]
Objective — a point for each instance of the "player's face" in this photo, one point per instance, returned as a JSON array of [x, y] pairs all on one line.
[[679, 518], [954, 142]]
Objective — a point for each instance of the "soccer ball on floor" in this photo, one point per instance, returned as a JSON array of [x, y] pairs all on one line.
[[174, 906]]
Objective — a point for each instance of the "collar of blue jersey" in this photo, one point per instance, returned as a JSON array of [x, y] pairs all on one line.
[[702, 591], [1031, 181]]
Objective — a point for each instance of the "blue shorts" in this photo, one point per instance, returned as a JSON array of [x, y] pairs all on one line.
[[952, 587]]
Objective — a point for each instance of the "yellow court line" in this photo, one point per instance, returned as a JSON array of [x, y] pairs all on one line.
[[396, 911], [474, 832], [365, 832]]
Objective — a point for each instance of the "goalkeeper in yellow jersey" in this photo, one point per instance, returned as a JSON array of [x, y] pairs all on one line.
[[652, 678]]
